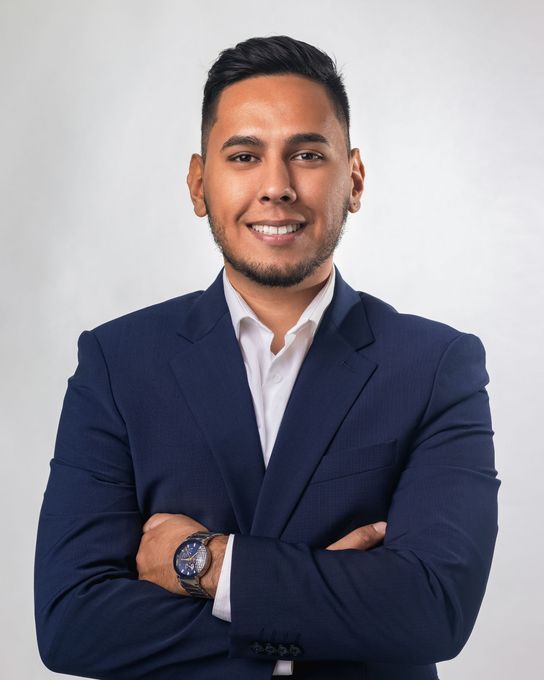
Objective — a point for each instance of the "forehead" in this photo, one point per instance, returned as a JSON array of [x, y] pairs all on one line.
[[276, 105]]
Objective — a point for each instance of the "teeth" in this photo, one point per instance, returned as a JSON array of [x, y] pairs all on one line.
[[269, 229]]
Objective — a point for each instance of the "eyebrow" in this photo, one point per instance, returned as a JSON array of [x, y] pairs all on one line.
[[298, 138]]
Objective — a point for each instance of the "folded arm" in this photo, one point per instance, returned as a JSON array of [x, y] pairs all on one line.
[[414, 599], [94, 618]]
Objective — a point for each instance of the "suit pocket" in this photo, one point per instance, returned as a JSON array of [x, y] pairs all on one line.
[[347, 462]]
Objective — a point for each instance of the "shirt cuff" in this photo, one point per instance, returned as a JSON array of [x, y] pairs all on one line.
[[221, 603], [283, 668]]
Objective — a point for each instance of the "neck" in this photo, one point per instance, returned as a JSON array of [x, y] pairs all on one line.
[[276, 307]]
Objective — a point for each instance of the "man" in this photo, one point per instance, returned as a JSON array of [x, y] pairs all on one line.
[[226, 461]]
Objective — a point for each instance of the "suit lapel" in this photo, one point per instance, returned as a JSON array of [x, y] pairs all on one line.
[[331, 377], [212, 375]]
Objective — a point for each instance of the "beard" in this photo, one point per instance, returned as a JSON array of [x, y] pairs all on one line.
[[282, 276]]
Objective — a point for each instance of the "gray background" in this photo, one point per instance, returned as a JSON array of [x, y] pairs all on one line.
[[100, 113]]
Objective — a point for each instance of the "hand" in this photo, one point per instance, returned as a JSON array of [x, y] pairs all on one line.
[[162, 535], [362, 538]]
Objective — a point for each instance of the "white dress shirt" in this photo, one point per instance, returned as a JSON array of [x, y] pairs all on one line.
[[271, 378]]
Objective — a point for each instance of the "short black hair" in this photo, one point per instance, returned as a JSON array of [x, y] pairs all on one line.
[[267, 56]]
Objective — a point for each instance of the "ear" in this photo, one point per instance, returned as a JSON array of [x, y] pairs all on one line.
[[195, 182], [357, 181]]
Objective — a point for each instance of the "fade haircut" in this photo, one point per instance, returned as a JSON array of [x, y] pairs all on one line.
[[267, 56]]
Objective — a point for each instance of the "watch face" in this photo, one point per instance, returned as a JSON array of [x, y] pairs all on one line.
[[191, 558]]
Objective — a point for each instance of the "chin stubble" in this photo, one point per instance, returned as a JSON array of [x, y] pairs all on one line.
[[272, 275]]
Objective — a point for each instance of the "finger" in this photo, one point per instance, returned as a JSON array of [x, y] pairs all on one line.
[[362, 538], [155, 520]]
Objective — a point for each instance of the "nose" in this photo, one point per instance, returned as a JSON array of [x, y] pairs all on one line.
[[277, 185]]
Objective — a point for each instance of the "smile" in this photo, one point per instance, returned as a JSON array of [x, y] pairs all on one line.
[[274, 231]]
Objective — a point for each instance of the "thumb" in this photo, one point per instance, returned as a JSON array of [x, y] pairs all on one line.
[[380, 527], [362, 538]]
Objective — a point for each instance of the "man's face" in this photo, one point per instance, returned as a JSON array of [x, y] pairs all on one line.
[[258, 171]]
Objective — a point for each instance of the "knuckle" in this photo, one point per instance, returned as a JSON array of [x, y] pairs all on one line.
[[366, 536], [362, 534]]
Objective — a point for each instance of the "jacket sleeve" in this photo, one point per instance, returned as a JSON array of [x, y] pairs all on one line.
[[415, 598], [94, 618]]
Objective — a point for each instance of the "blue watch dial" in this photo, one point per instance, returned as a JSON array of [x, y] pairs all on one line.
[[190, 558]]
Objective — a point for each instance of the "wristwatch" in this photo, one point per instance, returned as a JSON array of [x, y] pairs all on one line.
[[192, 560]]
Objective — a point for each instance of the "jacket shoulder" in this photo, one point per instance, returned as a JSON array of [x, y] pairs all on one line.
[[160, 315], [387, 320]]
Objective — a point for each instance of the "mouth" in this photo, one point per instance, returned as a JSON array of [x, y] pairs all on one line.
[[271, 230]]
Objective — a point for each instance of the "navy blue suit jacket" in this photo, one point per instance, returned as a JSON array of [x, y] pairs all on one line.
[[388, 420]]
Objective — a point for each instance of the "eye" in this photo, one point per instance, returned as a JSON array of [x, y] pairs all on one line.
[[316, 156], [239, 158]]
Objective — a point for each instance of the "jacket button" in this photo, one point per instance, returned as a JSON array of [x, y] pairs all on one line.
[[295, 650], [256, 647], [269, 648]]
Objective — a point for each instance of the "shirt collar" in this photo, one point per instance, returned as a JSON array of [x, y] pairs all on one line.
[[240, 310]]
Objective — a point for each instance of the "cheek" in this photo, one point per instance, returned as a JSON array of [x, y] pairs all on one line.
[[228, 196], [321, 189], [333, 212]]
